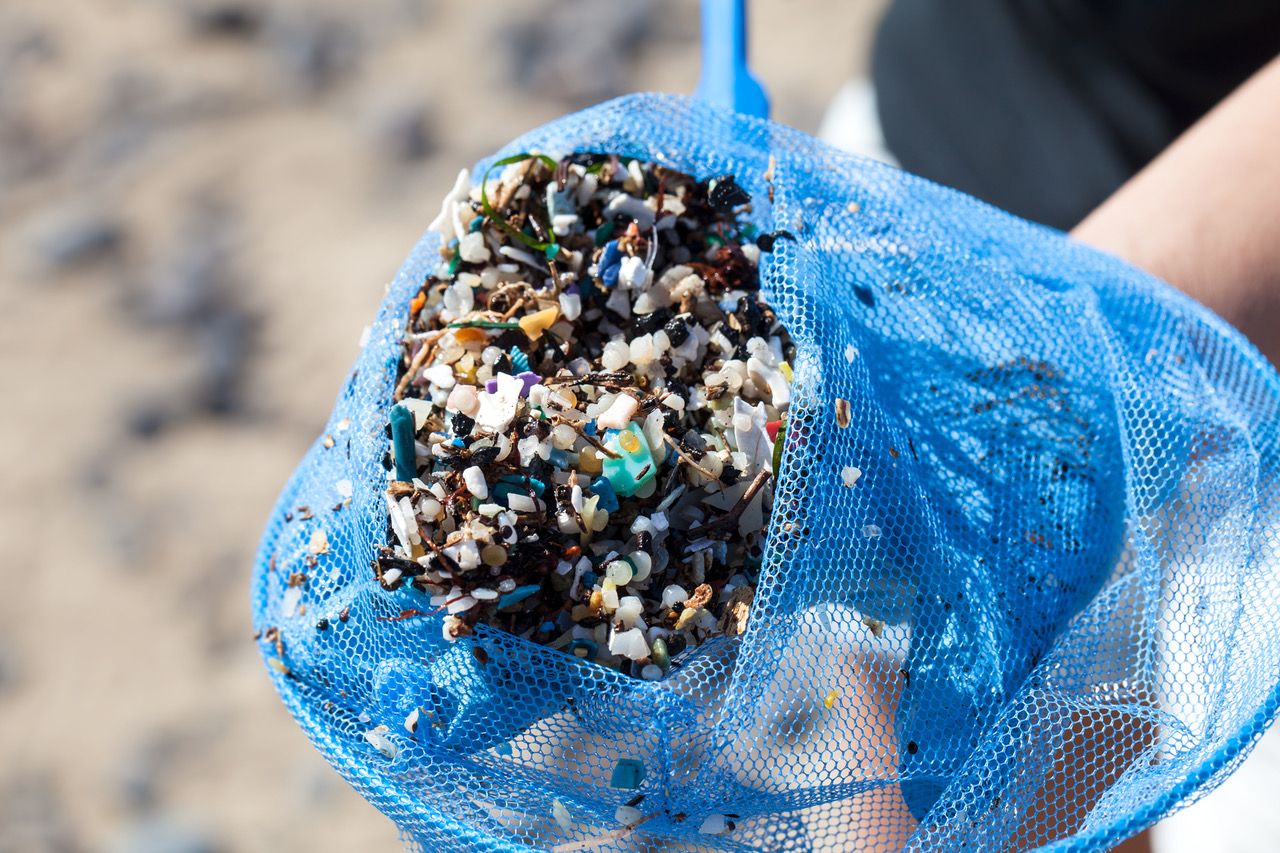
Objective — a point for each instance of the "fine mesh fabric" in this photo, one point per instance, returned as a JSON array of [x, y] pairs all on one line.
[[1043, 618]]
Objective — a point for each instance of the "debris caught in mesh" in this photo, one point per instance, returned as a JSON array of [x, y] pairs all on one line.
[[591, 406]]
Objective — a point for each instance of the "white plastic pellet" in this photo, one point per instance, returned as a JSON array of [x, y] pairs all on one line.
[[642, 350], [618, 415], [378, 739], [476, 484], [630, 609], [643, 564], [561, 814], [629, 644], [440, 375], [472, 248], [571, 306], [628, 815], [673, 595], [563, 436], [521, 503], [714, 824], [620, 572], [616, 355]]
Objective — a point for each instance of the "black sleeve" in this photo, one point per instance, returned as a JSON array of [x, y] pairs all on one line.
[[1044, 107]]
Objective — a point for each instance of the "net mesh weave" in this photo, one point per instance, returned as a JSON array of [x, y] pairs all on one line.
[[1043, 617]]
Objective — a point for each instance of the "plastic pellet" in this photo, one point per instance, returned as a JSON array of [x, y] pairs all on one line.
[[620, 572], [659, 654], [476, 485], [619, 413]]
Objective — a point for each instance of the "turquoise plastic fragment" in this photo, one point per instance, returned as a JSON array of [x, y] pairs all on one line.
[[402, 431], [627, 773], [518, 595], [634, 468], [519, 360]]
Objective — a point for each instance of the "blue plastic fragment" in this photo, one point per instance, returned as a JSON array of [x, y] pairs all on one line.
[[519, 360], [587, 648], [628, 773], [605, 492], [610, 263]]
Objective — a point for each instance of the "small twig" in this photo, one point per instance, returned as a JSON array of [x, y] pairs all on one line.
[[736, 510], [596, 841], [428, 347], [590, 439]]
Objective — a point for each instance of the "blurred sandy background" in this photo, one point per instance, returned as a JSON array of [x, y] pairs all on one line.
[[200, 202]]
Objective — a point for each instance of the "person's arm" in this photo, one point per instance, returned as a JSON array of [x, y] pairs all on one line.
[[1205, 214]]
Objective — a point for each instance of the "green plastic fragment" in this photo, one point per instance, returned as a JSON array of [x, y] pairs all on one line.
[[605, 233], [628, 773], [777, 447], [454, 263], [482, 324], [634, 468]]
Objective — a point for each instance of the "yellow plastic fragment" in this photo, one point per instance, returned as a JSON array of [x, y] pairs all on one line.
[[830, 701], [539, 321]]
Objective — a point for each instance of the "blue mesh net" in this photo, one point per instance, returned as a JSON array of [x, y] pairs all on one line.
[[1043, 618]]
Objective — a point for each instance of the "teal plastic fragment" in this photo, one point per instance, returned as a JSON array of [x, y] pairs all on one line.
[[518, 484], [627, 773], [634, 468], [402, 432]]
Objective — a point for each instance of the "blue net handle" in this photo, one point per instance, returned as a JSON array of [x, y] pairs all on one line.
[[725, 80]]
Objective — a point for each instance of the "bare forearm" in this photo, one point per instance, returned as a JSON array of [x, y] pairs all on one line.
[[1205, 215]]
